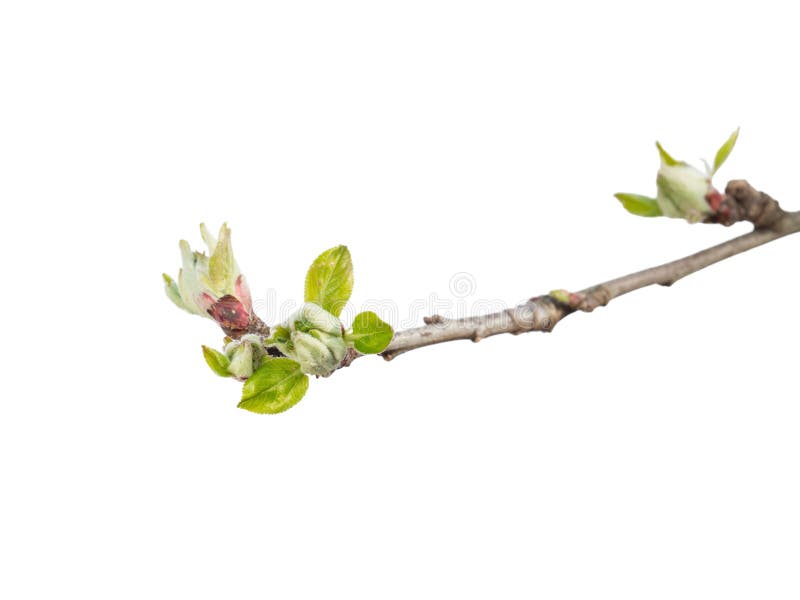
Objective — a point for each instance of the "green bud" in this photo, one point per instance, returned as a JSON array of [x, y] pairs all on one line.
[[682, 191], [313, 337], [241, 365], [318, 353], [245, 356]]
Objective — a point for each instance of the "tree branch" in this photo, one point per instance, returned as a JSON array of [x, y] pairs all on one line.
[[542, 313]]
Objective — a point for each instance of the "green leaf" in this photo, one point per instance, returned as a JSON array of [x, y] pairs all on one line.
[[329, 281], [217, 361], [370, 334], [725, 150], [221, 265], [276, 386], [643, 206], [666, 158]]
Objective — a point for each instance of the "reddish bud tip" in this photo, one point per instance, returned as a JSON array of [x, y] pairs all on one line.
[[231, 315], [714, 199]]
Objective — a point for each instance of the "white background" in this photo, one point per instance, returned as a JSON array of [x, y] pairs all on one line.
[[648, 450]]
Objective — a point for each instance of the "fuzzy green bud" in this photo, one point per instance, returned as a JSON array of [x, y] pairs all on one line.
[[317, 352], [245, 356], [313, 337]]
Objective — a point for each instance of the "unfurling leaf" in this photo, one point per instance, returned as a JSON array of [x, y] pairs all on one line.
[[370, 334], [217, 361], [643, 206], [725, 150], [329, 281], [276, 386], [311, 316]]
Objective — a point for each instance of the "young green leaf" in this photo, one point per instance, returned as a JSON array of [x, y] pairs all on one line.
[[329, 281], [221, 265], [173, 291], [370, 334], [276, 386], [639, 205], [725, 150], [217, 361], [666, 158]]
